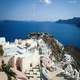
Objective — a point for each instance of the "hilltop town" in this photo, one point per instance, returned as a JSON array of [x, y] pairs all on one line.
[[39, 57]]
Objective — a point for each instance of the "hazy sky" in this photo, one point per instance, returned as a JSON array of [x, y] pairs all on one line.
[[39, 10]]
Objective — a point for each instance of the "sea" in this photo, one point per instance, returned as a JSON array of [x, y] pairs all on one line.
[[67, 34]]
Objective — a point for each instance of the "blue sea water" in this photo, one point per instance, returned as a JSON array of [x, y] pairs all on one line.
[[67, 34]]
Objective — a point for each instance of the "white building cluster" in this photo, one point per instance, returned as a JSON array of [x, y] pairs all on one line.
[[27, 50]]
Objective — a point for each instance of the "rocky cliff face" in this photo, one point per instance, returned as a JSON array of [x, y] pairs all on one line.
[[75, 53]]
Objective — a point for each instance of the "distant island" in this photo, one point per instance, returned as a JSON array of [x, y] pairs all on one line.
[[74, 21]]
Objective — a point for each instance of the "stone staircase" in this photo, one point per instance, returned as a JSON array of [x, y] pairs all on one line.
[[33, 73]]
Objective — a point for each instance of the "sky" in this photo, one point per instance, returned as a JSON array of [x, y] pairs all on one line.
[[39, 10]]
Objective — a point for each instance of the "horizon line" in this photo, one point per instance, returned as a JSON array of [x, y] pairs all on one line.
[[36, 20]]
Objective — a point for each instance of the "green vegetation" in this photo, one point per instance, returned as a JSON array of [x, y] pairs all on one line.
[[10, 74], [1, 50]]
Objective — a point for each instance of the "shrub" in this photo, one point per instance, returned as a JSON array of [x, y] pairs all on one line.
[[1, 50]]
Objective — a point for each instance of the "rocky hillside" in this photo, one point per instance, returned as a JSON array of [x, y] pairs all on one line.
[[46, 52], [67, 57], [55, 45], [73, 51]]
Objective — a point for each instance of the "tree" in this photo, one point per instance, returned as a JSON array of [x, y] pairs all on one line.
[[6, 68], [1, 50]]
